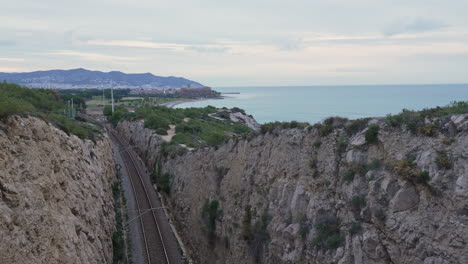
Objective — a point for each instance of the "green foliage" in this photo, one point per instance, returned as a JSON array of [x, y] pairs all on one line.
[[328, 235], [357, 203], [348, 176], [325, 130], [342, 144], [429, 130], [424, 177], [354, 228], [269, 127], [155, 121], [236, 110], [304, 227], [414, 120], [161, 131], [246, 232], [442, 160], [210, 214], [70, 126], [317, 143], [372, 134], [357, 125], [171, 149], [164, 182], [200, 130]]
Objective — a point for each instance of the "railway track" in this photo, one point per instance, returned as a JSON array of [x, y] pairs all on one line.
[[155, 231]]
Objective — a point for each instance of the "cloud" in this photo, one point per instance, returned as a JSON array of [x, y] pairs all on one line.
[[413, 26], [94, 56], [12, 59]]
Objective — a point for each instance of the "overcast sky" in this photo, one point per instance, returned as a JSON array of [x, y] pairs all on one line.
[[243, 42]]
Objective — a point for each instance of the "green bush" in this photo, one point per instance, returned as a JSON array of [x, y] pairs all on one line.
[[442, 160], [424, 177], [317, 143], [161, 131], [342, 144], [325, 130], [210, 213], [357, 203], [354, 228], [372, 134], [328, 233], [154, 121], [429, 130], [216, 138], [357, 125], [348, 176]]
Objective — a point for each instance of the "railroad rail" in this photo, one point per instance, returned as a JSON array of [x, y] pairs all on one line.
[[154, 243], [159, 243]]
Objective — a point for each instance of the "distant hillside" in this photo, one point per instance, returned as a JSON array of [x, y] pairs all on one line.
[[82, 78]]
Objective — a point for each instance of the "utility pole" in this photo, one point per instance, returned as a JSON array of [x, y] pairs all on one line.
[[112, 96], [72, 112], [103, 97]]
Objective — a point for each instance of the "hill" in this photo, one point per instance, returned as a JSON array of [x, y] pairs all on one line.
[[82, 78]]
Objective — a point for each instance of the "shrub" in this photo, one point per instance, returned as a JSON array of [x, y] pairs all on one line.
[[429, 130], [348, 176], [171, 149], [210, 214], [164, 183], [342, 144], [325, 130], [237, 109], [374, 164], [357, 125], [372, 134], [304, 226], [328, 235], [424, 177], [379, 213], [216, 138], [161, 131], [155, 121], [357, 203], [406, 167], [354, 228], [317, 143], [442, 160], [246, 224]]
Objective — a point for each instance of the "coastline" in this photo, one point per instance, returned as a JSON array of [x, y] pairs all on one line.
[[173, 104]]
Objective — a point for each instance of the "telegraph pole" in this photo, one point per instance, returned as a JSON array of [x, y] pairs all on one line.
[[112, 96]]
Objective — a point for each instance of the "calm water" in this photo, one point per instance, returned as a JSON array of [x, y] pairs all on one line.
[[314, 103]]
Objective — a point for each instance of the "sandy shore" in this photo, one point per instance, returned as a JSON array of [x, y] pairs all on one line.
[[173, 104]]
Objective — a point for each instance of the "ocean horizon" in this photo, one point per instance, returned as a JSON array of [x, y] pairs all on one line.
[[315, 103]]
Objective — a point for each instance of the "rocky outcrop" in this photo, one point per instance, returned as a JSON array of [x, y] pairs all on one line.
[[293, 196], [56, 203]]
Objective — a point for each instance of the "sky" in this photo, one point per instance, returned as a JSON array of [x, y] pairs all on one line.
[[243, 42]]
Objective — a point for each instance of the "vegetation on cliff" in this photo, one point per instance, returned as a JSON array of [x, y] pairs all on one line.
[[195, 127], [43, 103]]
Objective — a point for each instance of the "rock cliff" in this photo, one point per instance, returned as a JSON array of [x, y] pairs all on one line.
[[56, 201], [299, 195]]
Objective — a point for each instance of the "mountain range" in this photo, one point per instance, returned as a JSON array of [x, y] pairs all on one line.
[[82, 78]]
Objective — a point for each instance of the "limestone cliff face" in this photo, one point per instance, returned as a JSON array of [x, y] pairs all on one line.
[[322, 199], [56, 201]]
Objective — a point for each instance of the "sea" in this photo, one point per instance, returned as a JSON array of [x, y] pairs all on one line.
[[314, 103]]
